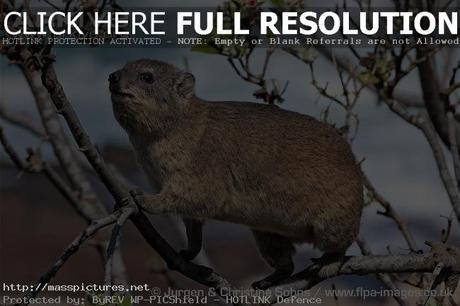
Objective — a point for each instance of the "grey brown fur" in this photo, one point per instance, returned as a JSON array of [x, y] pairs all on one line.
[[289, 177]]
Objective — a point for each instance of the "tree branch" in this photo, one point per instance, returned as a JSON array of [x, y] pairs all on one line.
[[383, 277], [437, 105], [119, 191], [92, 229], [36, 165], [391, 213], [22, 120], [113, 243], [88, 203], [14, 156], [371, 264], [446, 177], [454, 147]]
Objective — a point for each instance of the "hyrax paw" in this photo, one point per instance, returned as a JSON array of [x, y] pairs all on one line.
[[330, 270], [138, 196], [329, 264], [125, 202]]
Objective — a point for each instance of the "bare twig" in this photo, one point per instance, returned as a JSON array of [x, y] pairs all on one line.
[[436, 109], [34, 74], [383, 277], [36, 165], [454, 146], [93, 228], [446, 232], [113, 243], [88, 204], [22, 120], [371, 264], [436, 106], [14, 156], [61, 145], [119, 191], [446, 177], [391, 213]]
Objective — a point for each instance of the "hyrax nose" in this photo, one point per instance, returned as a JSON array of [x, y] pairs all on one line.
[[114, 77]]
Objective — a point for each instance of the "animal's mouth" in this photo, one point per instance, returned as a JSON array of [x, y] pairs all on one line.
[[117, 90], [121, 93]]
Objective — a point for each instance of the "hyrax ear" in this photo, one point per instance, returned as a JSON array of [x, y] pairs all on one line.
[[186, 85]]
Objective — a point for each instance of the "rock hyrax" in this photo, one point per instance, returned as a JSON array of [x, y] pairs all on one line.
[[288, 176]]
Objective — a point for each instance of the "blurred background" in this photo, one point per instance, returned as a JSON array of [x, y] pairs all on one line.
[[36, 224]]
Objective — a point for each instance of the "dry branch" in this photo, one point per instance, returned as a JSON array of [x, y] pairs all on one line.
[[35, 164], [374, 264], [119, 191], [22, 120], [440, 255], [391, 213], [436, 106], [14, 156], [448, 180], [369, 264], [113, 243], [88, 202], [31, 65], [62, 147], [92, 229], [383, 277], [454, 147]]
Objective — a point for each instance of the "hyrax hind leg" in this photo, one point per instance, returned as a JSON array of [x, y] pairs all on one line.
[[277, 252], [194, 230]]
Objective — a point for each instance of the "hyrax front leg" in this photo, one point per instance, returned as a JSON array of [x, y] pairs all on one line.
[[277, 252], [157, 204], [194, 230], [164, 203]]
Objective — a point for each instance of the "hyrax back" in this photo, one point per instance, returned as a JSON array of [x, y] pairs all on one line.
[[286, 175], [276, 171]]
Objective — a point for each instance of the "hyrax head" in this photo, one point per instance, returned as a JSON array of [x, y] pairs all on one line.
[[149, 94]]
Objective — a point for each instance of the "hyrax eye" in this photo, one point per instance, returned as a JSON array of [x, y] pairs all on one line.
[[147, 77]]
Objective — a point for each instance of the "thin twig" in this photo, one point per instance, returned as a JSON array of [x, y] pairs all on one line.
[[119, 191], [88, 202], [383, 277], [372, 264], [391, 213], [93, 228], [454, 146], [14, 156], [113, 244], [22, 120], [40, 166], [449, 182]]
